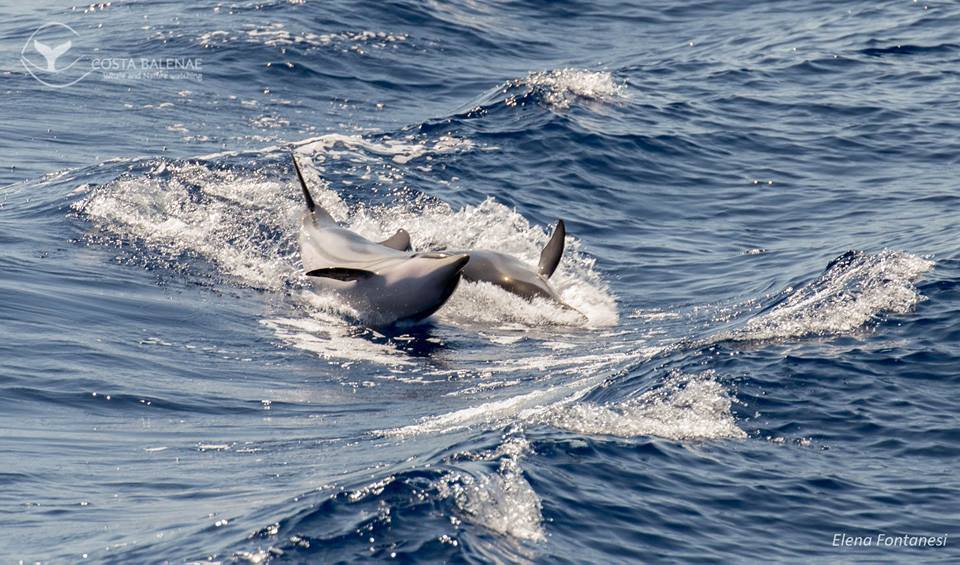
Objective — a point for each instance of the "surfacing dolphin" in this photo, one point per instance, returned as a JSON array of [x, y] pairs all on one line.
[[384, 282], [514, 276]]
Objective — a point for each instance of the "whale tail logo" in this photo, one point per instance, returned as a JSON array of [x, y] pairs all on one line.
[[51, 54], [52, 41]]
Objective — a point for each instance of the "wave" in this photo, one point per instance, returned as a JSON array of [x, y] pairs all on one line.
[[489, 487], [358, 149], [685, 407], [560, 87], [331, 338], [416, 514], [502, 501], [276, 35], [855, 289], [186, 208], [555, 90], [907, 49]]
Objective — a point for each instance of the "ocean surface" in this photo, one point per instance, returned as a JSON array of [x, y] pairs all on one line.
[[761, 200]]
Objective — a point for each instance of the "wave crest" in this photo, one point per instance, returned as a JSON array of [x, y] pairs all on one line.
[[502, 501], [855, 288], [684, 407], [560, 87]]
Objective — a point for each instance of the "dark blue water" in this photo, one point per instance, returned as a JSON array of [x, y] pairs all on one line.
[[762, 202]]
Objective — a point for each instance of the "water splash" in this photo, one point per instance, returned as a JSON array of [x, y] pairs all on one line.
[[331, 338], [685, 407], [276, 35], [855, 289], [502, 501], [356, 148], [492, 225], [228, 218], [587, 371], [559, 88]]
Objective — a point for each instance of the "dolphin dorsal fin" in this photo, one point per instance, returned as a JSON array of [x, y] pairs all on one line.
[[318, 212], [550, 256], [399, 241]]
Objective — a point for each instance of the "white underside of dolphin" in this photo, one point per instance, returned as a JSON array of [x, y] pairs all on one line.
[[383, 282]]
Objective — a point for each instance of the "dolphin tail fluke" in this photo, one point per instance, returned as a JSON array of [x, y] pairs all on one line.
[[317, 211], [399, 241], [550, 256]]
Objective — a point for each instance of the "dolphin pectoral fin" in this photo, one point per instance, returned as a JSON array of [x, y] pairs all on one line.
[[345, 274], [399, 241], [550, 256]]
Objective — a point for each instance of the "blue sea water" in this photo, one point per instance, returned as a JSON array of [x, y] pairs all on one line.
[[761, 199]]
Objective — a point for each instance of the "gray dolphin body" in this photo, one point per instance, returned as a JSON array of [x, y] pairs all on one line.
[[385, 282], [512, 275]]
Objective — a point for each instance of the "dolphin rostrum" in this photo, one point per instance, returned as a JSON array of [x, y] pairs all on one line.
[[384, 282]]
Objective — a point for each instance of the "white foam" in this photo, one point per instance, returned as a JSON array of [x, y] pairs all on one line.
[[528, 406], [492, 225], [495, 412], [276, 35], [561, 86], [486, 303], [219, 226], [843, 299], [400, 151], [502, 501], [333, 339], [502, 339], [684, 407]]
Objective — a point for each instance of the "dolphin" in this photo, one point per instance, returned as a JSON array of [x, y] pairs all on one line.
[[514, 276], [384, 282]]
